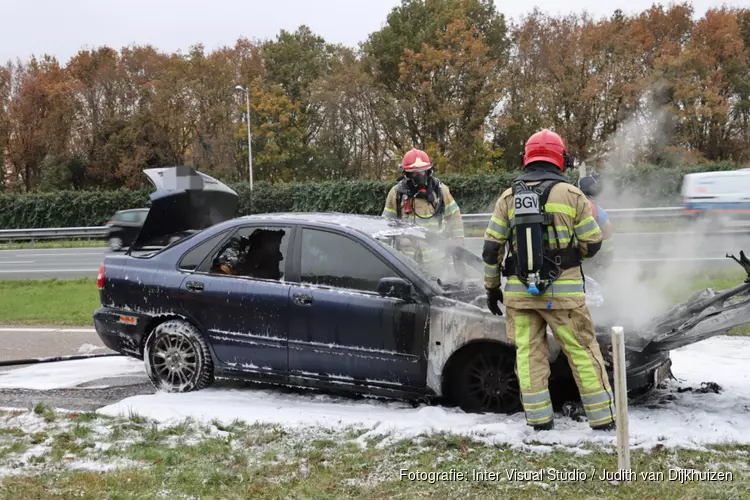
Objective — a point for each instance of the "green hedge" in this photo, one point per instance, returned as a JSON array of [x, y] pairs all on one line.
[[474, 194]]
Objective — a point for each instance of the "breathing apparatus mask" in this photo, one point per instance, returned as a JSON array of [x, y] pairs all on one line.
[[418, 180]]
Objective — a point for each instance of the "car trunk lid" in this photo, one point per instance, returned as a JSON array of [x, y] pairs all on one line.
[[184, 200]]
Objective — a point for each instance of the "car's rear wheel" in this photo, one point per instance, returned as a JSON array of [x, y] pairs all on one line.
[[115, 244], [484, 380], [177, 357]]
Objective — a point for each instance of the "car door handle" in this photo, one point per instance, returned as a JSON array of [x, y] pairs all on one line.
[[302, 299], [194, 286]]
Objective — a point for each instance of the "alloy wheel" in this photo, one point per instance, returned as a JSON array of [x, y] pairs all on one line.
[[174, 360], [491, 383]]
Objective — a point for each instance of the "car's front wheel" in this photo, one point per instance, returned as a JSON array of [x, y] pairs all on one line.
[[177, 357], [484, 380]]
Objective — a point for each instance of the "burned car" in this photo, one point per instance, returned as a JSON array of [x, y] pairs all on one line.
[[320, 300]]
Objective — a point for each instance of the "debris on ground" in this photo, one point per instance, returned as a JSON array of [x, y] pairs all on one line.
[[574, 410], [705, 388]]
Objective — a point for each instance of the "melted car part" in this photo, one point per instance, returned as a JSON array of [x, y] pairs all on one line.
[[706, 314]]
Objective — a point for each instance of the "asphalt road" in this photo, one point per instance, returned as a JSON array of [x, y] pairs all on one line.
[[26, 343], [695, 249], [60, 263], [39, 342]]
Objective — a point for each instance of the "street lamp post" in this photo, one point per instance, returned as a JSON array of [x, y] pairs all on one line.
[[249, 137]]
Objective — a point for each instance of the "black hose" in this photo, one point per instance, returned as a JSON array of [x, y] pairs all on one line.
[[50, 359]]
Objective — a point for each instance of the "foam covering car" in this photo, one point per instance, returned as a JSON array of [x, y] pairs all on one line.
[[330, 301]]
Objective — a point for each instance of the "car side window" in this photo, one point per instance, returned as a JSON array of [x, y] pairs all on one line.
[[254, 252], [193, 258], [331, 259]]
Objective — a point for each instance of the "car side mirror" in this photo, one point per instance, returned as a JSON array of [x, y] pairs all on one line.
[[395, 287]]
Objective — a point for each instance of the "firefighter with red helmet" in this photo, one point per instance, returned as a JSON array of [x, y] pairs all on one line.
[[547, 224], [422, 199]]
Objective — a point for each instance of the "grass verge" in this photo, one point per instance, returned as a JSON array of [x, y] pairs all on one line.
[[22, 245], [48, 302], [45, 453]]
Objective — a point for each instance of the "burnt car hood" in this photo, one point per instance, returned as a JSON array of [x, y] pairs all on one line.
[[185, 200], [706, 314]]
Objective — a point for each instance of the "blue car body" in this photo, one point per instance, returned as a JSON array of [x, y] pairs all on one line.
[[324, 320]]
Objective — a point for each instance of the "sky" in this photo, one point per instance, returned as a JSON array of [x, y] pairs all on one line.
[[61, 28]]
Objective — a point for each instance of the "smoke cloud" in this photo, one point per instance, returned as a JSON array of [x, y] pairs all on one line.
[[651, 267]]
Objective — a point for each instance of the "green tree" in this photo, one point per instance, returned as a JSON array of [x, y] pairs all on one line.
[[440, 60]]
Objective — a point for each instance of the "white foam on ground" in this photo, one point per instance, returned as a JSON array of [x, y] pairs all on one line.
[[88, 348], [691, 420], [66, 374]]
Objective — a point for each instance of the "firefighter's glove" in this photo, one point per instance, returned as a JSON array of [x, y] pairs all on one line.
[[494, 298]]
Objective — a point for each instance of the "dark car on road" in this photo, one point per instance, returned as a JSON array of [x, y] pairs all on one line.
[[316, 300], [124, 226]]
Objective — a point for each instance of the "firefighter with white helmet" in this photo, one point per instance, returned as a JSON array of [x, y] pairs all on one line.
[[420, 197], [548, 226]]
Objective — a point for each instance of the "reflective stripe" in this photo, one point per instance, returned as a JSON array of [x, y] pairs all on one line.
[[457, 233], [559, 208], [595, 398], [559, 239], [535, 397], [540, 416], [389, 213], [490, 271], [562, 288], [426, 223], [584, 364], [498, 228], [586, 228], [523, 331], [553, 208], [602, 421], [536, 406], [451, 208]]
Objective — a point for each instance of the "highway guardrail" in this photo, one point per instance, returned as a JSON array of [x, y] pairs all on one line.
[[99, 232], [53, 233]]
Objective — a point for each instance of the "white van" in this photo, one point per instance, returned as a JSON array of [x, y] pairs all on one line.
[[712, 193]]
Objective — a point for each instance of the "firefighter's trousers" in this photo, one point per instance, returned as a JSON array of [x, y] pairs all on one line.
[[574, 331]]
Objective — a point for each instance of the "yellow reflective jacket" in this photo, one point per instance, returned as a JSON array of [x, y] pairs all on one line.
[[573, 221], [421, 215]]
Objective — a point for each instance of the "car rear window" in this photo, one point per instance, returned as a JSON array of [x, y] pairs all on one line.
[[254, 252]]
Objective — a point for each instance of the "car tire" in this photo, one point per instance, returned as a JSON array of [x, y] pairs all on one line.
[[115, 244], [484, 380], [177, 357]]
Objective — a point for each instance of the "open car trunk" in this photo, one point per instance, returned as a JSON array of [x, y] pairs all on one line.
[[185, 200]]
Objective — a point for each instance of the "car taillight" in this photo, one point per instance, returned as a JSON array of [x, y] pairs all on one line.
[[100, 277]]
